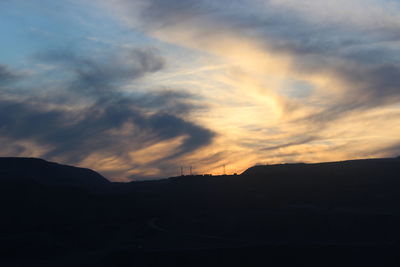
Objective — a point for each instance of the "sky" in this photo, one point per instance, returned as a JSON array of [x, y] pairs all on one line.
[[135, 89]]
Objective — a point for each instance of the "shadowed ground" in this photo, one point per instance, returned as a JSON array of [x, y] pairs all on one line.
[[330, 214]]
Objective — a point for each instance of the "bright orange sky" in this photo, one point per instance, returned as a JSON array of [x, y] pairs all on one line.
[[137, 89]]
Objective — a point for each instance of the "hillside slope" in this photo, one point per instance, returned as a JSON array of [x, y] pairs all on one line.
[[48, 173], [327, 214]]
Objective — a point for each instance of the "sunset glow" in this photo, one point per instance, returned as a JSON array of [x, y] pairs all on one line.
[[135, 89]]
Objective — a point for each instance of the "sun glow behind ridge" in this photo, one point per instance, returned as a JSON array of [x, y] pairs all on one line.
[[145, 87]]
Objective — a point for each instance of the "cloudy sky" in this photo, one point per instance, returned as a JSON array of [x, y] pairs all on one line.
[[137, 88]]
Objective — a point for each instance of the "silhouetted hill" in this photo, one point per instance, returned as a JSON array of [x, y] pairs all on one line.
[[326, 214], [336, 181], [48, 173], [390, 166]]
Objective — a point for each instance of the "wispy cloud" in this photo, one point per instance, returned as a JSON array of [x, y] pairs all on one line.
[[229, 82], [343, 50], [110, 122]]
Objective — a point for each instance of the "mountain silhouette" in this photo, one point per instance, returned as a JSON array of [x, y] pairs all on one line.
[[325, 214], [48, 173]]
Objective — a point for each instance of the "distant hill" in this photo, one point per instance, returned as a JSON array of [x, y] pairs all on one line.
[[342, 175], [48, 173], [347, 184], [390, 166], [326, 214]]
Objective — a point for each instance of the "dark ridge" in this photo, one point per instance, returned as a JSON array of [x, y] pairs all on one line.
[[48, 173], [326, 214], [347, 165]]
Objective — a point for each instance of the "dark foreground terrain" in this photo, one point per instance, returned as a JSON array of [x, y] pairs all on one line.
[[328, 214]]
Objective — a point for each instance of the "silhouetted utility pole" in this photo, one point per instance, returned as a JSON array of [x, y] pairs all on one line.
[[191, 170], [181, 171], [224, 169]]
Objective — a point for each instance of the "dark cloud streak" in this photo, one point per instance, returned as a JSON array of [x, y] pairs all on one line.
[[99, 126], [6, 75]]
